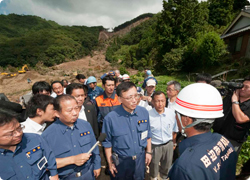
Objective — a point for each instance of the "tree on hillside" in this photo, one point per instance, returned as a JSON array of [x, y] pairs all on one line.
[[221, 12], [204, 52], [179, 21], [30, 39]]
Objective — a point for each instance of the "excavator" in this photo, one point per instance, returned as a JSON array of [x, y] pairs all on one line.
[[24, 69], [8, 74]]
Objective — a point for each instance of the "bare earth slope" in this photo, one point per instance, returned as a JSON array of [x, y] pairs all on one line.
[[96, 65]]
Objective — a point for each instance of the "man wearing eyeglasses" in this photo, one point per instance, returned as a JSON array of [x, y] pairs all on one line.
[[128, 141], [57, 88], [23, 156], [173, 88], [70, 139]]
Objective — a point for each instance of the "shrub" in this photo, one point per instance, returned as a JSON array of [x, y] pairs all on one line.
[[123, 70], [204, 52]]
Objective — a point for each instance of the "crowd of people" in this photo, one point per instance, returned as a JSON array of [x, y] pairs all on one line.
[[169, 133]]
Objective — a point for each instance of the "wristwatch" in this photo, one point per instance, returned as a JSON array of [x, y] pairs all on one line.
[[236, 102], [149, 153]]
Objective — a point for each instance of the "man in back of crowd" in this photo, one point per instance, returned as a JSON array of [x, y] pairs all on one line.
[[173, 88], [40, 109], [118, 81], [41, 87], [81, 78], [23, 155], [149, 90], [149, 74], [110, 73], [57, 88], [140, 102], [93, 89], [125, 78], [87, 112], [204, 155], [164, 128], [203, 78], [128, 136], [148, 78], [65, 83], [118, 74], [70, 139], [236, 123]]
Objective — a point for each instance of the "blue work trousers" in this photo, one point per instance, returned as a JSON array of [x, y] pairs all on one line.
[[129, 169]]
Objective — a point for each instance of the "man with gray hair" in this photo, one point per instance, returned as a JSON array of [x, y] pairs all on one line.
[[173, 88], [118, 74]]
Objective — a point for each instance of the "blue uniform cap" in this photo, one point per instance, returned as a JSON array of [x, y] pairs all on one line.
[[149, 72], [91, 79]]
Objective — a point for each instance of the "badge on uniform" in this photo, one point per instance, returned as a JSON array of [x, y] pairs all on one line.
[[42, 163], [142, 121], [144, 134], [85, 133], [35, 149]]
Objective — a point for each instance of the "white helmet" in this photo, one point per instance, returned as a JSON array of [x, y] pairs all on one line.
[[125, 77], [200, 101]]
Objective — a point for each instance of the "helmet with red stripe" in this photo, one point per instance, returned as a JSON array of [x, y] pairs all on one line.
[[199, 100]]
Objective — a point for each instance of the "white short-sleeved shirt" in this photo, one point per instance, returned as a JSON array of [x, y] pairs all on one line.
[[162, 125]]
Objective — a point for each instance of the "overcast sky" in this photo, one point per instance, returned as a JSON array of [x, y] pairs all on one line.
[[108, 13]]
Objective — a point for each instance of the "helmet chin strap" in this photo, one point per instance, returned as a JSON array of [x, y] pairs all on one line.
[[182, 127], [210, 121]]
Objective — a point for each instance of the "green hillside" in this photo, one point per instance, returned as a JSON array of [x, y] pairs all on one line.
[[30, 39], [183, 38]]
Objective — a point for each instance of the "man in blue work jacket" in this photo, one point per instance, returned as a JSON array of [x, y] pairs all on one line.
[[204, 155], [128, 135], [93, 90], [23, 156], [70, 139]]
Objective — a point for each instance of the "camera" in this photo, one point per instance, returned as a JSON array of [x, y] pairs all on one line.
[[232, 85], [229, 87]]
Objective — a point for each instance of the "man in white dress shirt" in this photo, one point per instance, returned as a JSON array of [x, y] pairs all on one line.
[[163, 127], [40, 109]]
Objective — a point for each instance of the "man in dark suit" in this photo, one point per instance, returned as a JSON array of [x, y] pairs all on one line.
[[87, 111]]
